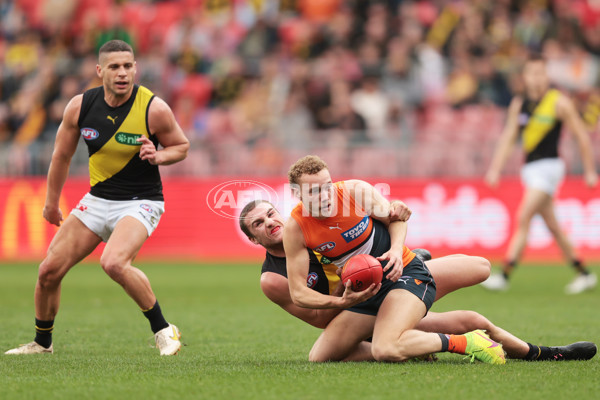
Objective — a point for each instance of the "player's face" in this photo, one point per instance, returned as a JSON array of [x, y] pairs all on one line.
[[535, 78], [316, 193], [117, 70], [266, 225]]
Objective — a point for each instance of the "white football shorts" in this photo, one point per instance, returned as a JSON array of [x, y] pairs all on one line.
[[546, 174], [101, 215]]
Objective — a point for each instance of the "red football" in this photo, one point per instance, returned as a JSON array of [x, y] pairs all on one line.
[[362, 270]]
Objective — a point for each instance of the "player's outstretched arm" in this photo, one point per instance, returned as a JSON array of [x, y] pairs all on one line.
[[297, 262], [506, 142], [65, 145], [568, 113], [162, 123], [276, 288]]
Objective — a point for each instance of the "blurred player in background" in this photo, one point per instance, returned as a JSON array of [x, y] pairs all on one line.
[[122, 124], [347, 218], [537, 120], [263, 225]]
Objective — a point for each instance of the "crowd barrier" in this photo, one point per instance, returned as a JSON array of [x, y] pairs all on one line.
[[449, 216]]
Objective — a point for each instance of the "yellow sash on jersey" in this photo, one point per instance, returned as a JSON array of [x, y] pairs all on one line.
[[542, 120], [329, 269], [122, 147]]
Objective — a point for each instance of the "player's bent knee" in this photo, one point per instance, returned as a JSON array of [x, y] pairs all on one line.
[[316, 354], [113, 268], [50, 273], [483, 268], [472, 320], [389, 352]]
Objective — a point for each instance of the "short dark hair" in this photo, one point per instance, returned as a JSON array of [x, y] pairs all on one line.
[[247, 208], [113, 46]]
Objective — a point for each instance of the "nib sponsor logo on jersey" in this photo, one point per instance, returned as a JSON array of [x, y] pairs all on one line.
[[356, 230], [312, 279], [89, 133], [129, 139]]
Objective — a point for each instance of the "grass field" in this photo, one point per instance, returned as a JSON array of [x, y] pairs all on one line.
[[240, 346]]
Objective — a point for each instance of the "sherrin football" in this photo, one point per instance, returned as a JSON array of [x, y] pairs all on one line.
[[362, 270]]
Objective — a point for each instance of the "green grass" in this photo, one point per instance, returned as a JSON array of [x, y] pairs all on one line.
[[240, 346]]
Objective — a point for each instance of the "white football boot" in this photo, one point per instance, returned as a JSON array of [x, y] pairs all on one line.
[[581, 283], [167, 340], [31, 348], [496, 282]]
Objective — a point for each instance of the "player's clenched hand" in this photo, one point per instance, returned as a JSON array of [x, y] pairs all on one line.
[[399, 211], [351, 298], [394, 264], [148, 151], [53, 215]]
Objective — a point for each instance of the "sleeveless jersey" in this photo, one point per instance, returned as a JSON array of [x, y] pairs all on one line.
[[321, 272], [110, 133], [539, 127], [343, 235]]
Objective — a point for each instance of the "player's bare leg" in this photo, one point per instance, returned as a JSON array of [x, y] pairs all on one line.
[[121, 249], [396, 339], [459, 322], [394, 336], [533, 201], [585, 280], [342, 339], [457, 271], [72, 243], [125, 242]]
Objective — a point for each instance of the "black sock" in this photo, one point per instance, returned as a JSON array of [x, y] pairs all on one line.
[[538, 353], [154, 315], [445, 342], [508, 266], [43, 332], [578, 265]]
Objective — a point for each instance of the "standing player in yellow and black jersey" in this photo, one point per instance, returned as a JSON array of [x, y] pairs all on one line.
[[122, 124], [537, 119]]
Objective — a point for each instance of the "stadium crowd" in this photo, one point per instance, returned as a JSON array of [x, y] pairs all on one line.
[[255, 84]]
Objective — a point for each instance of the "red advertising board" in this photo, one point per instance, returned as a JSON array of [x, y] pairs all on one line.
[[449, 216]]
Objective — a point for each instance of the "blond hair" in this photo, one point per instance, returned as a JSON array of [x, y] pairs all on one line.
[[309, 165]]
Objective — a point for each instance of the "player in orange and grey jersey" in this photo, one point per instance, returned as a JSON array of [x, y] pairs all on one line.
[[263, 225], [397, 304]]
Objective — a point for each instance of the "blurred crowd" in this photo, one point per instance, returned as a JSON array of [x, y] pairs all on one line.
[[255, 82]]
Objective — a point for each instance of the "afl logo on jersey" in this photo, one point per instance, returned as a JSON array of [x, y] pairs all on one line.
[[89, 133], [312, 279], [324, 247]]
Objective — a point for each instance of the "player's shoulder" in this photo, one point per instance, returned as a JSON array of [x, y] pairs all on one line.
[[159, 107], [274, 264], [73, 108], [274, 286]]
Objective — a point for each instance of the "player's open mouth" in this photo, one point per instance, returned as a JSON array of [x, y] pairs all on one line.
[[275, 229], [121, 85]]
